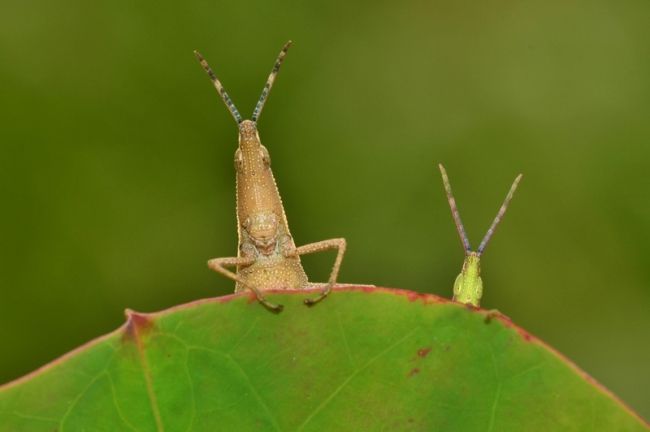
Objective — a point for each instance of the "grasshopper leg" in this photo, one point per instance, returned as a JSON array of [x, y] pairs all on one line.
[[339, 244], [218, 265]]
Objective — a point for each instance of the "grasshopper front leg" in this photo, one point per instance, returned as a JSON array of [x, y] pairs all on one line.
[[218, 265], [339, 244]]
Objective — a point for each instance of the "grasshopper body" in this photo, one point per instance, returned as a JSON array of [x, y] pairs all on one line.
[[267, 256], [264, 235], [468, 286]]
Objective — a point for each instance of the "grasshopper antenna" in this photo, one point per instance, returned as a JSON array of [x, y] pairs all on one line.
[[217, 84], [269, 82], [499, 216], [454, 210]]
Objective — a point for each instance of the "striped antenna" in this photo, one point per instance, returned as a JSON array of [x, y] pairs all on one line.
[[217, 84], [454, 210], [269, 82], [497, 219]]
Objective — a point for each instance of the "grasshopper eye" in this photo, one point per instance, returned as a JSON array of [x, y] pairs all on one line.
[[266, 157], [239, 160]]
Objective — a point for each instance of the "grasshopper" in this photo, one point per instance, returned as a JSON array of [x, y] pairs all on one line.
[[267, 257], [468, 286]]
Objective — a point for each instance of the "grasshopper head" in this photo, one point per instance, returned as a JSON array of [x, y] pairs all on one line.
[[248, 133], [262, 228], [251, 156], [472, 265], [248, 136], [250, 152]]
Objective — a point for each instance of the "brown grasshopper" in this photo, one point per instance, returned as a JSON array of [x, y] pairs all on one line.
[[267, 257]]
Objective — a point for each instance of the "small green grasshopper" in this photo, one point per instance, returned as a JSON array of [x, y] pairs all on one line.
[[468, 287]]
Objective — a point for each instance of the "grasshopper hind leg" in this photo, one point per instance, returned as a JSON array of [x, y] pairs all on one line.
[[339, 244], [219, 265]]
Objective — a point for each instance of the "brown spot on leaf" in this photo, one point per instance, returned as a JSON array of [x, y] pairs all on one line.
[[423, 352], [413, 296], [525, 335], [410, 295], [506, 321], [368, 288], [414, 371]]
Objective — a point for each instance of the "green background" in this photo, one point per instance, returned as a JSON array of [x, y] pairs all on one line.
[[117, 183]]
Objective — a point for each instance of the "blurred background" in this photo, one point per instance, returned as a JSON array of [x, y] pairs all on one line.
[[117, 180]]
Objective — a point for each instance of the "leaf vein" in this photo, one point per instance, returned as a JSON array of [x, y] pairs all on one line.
[[356, 372], [189, 378], [33, 417], [249, 383], [244, 336], [117, 407], [494, 408], [146, 372], [497, 394], [76, 400], [345, 339]]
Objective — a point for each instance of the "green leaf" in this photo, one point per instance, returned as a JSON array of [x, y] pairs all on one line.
[[365, 359]]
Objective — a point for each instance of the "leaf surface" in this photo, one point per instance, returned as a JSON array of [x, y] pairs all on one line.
[[365, 359]]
